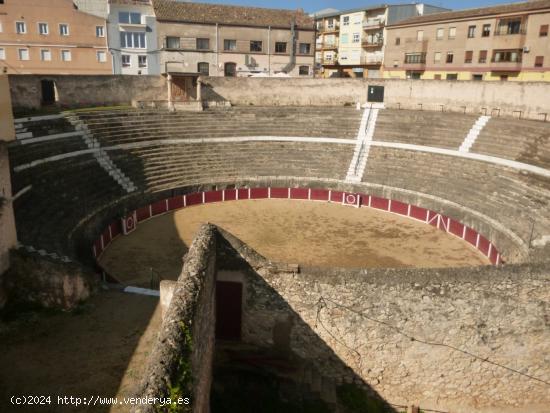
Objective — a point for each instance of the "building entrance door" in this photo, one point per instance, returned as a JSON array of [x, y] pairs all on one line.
[[230, 69], [228, 310], [48, 92]]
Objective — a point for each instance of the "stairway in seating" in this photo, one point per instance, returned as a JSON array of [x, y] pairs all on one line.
[[364, 139], [474, 133], [101, 156]]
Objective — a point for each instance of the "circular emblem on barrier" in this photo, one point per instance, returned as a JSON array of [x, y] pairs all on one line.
[[351, 199], [130, 223]]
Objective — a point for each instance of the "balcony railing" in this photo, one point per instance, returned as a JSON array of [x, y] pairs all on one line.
[[373, 43], [371, 24], [372, 60], [329, 45], [328, 29]]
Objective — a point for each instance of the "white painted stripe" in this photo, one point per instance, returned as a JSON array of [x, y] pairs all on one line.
[[142, 291], [27, 141]]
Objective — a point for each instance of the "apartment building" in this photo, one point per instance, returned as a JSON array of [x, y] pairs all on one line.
[[507, 42], [351, 43], [51, 37], [220, 40]]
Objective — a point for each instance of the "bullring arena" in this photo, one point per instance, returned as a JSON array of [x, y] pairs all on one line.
[[312, 249]]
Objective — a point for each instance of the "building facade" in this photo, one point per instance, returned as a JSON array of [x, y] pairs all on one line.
[[53, 37], [508, 42], [219, 40], [351, 43]]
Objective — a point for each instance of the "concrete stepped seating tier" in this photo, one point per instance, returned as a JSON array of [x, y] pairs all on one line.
[[62, 194], [525, 141], [44, 127], [515, 199], [441, 130], [116, 127], [168, 166], [22, 154]]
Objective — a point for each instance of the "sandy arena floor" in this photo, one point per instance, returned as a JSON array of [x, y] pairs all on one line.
[[302, 232]]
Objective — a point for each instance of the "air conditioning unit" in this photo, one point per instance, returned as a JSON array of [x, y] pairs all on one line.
[[525, 49]]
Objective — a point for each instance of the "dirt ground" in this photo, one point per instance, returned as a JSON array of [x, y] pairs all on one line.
[[99, 350], [300, 232]]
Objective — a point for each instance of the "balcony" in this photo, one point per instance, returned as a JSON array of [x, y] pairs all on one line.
[[507, 60], [329, 46], [372, 59], [372, 24], [333, 28], [372, 44]]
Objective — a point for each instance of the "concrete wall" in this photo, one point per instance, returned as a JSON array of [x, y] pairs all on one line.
[[183, 354], [88, 91]]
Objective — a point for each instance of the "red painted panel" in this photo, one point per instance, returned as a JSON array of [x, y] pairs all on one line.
[[230, 194], [456, 228], [399, 208], [483, 245], [471, 236], [116, 228], [194, 199], [259, 193], [213, 196], [494, 255], [432, 218], [444, 223], [279, 192], [418, 213], [143, 213], [106, 237], [243, 193], [98, 248], [336, 196], [319, 194], [380, 203], [159, 207], [175, 203], [299, 193]]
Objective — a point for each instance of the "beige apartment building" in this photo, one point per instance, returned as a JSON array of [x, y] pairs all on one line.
[[51, 37], [219, 40], [508, 42]]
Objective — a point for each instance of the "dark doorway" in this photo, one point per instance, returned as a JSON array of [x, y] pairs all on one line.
[[48, 92], [376, 94], [230, 69], [228, 310]]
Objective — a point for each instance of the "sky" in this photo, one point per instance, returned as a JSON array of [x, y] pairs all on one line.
[[315, 5]]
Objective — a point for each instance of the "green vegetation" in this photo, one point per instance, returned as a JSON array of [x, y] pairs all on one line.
[[356, 400]]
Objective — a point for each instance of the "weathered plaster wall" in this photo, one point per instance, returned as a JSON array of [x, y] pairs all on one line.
[[87, 91], [528, 97], [183, 354]]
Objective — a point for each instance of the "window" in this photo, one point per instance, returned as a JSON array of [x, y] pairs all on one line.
[[509, 56], [543, 32], [203, 68], [468, 56], [539, 61], [126, 17], [23, 54], [356, 37], [172, 42], [66, 55], [509, 26], [486, 30], [344, 38], [142, 61], [420, 35], [45, 55], [132, 40], [303, 70], [477, 77], [483, 56], [255, 45], [450, 57], [471, 32], [125, 60], [437, 77], [397, 41], [1, 28], [64, 29], [43, 28], [305, 48], [503, 78], [203, 44], [345, 20], [2, 54], [101, 56], [280, 47], [330, 23], [20, 27], [437, 57], [452, 32], [440, 33], [229, 44], [415, 58], [452, 76], [99, 31]]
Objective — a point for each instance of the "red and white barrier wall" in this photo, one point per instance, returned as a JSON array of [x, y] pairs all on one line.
[[129, 223]]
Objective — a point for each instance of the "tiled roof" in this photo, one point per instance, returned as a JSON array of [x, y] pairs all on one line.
[[169, 10], [479, 12]]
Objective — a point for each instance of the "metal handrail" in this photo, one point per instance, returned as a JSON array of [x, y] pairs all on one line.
[[362, 148]]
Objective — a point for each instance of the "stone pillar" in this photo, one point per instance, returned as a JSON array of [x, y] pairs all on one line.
[[199, 89], [170, 102]]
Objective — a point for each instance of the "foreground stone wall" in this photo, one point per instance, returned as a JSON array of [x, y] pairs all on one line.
[[435, 338], [8, 235], [472, 97], [181, 362], [87, 91]]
